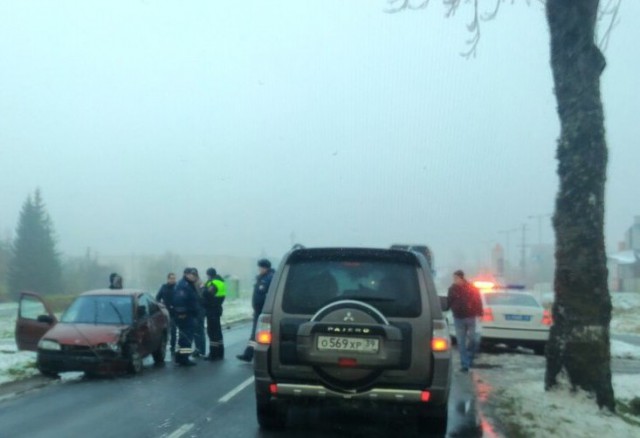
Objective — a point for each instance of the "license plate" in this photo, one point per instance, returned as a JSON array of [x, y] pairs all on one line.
[[343, 343], [518, 317]]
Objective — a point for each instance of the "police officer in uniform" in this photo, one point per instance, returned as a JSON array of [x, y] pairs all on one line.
[[263, 280], [185, 308], [213, 295]]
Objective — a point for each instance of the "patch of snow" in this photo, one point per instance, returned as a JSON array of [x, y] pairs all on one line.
[[624, 350], [513, 386]]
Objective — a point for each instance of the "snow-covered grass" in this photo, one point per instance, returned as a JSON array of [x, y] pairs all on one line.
[[512, 386], [15, 365]]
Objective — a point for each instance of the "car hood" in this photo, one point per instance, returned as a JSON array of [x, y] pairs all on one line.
[[85, 334]]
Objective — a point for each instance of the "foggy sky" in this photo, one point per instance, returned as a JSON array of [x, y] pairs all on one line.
[[237, 128]]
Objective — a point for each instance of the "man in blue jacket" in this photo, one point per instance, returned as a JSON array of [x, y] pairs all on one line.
[[185, 307], [260, 289]]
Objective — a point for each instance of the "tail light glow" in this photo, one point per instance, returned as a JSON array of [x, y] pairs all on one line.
[[440, 336], [263, 330], [273, 388], [547, 319], [425, 396], [487, 315], [439, 344]]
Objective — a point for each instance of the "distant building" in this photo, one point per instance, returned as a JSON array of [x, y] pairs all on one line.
[[624, 265]]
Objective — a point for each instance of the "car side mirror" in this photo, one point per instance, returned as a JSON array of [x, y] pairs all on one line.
[[141, 312], [47, 319], [444, 304]]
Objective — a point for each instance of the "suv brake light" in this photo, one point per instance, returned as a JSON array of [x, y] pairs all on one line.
[[263, 330], [487, 314], [440, 336], [547, 319]]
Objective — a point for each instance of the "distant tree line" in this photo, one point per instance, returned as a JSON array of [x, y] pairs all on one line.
[[31, 261]]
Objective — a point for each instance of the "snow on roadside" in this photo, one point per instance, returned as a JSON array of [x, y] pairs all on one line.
[[513, 387]]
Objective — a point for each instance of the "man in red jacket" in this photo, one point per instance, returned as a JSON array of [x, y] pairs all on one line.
[[465, 304]]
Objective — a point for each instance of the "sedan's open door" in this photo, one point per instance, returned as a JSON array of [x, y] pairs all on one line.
[[33, 321]]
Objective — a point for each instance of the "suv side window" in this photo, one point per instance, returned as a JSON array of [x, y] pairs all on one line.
[[391, 287]]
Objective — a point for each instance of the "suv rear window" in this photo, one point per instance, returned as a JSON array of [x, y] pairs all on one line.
[[389, 286]]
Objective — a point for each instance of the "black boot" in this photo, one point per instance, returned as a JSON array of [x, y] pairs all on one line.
[[247, 356]]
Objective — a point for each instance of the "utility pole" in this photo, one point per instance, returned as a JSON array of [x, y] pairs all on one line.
[[506, 251], [523, 258], [539, 217]]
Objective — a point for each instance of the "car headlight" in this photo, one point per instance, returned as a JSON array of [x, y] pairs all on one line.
[[47, 344], [112, 346]]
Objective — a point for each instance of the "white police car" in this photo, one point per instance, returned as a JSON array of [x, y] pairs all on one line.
[[512, 317]]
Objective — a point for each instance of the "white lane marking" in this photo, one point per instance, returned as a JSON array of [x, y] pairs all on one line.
[[229, 395], [181, 431]]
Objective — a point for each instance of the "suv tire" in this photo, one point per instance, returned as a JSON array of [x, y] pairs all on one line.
[[433, 421], [271, 416]]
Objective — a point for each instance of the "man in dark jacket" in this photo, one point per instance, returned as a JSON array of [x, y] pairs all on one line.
[[185, 307], [466, 305], [115, 281], [165, 296], [260, 289], [213, 295]]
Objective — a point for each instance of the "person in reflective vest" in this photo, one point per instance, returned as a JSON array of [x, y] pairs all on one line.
[[185, 308], [213, 295]]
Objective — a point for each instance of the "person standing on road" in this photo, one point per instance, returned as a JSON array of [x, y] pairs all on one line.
[[263, 280], [115, 281], [213, 295], [165, 296], [199, 339], [465, 303], [185, 307]]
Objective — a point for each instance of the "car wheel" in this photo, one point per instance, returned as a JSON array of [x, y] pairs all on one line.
[[270, 415], [161, 352], [433, 422], [487, 347], [135, 360]]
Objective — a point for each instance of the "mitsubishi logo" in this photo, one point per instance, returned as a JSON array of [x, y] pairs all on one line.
[[349, 317]]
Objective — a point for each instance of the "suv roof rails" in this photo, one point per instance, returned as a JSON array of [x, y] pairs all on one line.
[[422, 249]]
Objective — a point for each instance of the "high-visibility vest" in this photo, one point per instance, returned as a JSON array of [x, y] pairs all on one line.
[[221, 288]]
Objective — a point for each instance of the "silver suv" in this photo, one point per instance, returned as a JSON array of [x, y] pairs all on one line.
[[351, 327]]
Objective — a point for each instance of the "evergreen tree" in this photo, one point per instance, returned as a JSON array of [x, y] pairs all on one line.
[[35, 264], [5, 255]]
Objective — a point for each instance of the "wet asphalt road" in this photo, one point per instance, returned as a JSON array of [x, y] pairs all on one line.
[[211, 399]]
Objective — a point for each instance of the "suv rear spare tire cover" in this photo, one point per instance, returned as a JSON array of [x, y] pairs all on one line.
[[367, 345]]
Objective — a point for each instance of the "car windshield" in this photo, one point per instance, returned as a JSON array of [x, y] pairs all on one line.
[[507, 299], [99, 309], [390, 287]]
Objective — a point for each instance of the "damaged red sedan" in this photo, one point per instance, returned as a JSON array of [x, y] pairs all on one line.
[[102, 332]]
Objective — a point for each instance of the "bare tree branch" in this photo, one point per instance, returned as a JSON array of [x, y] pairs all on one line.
[[406, 4], [608, 12]]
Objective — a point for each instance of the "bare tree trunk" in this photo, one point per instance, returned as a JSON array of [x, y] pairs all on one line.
[[579, 341]]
